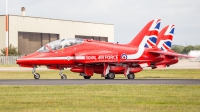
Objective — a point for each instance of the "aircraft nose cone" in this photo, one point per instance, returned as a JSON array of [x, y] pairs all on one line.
[[23, 62], [19, 61], [16, 61]]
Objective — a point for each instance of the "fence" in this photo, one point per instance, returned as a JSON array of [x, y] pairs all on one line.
[[8, 60]]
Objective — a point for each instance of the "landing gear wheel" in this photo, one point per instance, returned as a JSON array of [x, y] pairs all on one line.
[[131, 76], [63, 76], [106, 78], [36, 75], [111, 75], [87, 77]]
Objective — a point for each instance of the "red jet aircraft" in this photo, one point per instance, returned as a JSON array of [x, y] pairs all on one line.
[[89, 56]]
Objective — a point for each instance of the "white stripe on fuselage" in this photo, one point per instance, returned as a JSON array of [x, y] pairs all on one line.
[[56, 58], [50, 58], [80, 57], [141, 49]]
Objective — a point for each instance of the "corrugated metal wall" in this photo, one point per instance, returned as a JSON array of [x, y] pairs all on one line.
[[29, 42]]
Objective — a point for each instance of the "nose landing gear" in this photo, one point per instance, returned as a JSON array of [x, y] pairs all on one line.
[[63, 76], [36, 75]]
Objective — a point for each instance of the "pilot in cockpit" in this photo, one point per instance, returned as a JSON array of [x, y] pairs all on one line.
[[62, 44]]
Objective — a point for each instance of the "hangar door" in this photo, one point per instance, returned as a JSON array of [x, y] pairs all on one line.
[[92, 37], [29, 42]]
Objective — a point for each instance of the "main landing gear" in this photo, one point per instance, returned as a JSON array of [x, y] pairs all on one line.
[[110, 75], [63, 76], [36, 75], [86, 77], [131, 76]]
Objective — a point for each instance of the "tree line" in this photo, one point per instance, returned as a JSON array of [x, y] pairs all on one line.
[[184, 49]]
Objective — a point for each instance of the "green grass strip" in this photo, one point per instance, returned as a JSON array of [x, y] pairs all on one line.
[[100, 98]]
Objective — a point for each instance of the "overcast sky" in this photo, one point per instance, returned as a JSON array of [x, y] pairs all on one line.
[[128, 16]]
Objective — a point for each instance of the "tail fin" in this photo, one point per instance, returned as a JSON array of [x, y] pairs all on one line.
[[165, 38], [147, 37]]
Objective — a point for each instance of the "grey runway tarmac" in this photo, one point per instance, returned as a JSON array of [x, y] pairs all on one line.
[[97, 81]]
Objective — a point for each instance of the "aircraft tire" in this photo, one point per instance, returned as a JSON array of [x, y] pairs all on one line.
[[111, 75], [106, 78], [63, 76], [131, 76], [86, 77], [37, 76]]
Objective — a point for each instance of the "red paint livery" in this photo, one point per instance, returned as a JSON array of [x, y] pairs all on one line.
[[89, 56]]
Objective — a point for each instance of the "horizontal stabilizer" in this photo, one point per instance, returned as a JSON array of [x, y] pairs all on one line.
[[171, 54]]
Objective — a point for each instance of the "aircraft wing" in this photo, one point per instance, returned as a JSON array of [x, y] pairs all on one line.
[[171, 54]]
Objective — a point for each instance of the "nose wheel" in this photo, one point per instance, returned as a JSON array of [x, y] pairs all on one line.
[[36, 75], [63, 76]]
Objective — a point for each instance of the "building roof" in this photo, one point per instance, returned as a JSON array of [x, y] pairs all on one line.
[[58, 19]]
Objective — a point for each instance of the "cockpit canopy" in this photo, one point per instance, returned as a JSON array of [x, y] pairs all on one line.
[[59, 44]]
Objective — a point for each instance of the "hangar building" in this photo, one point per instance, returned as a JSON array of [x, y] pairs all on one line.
[[28, 34]]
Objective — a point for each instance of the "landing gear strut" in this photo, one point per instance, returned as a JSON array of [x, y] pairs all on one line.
[[63, 76], [36, 75]]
